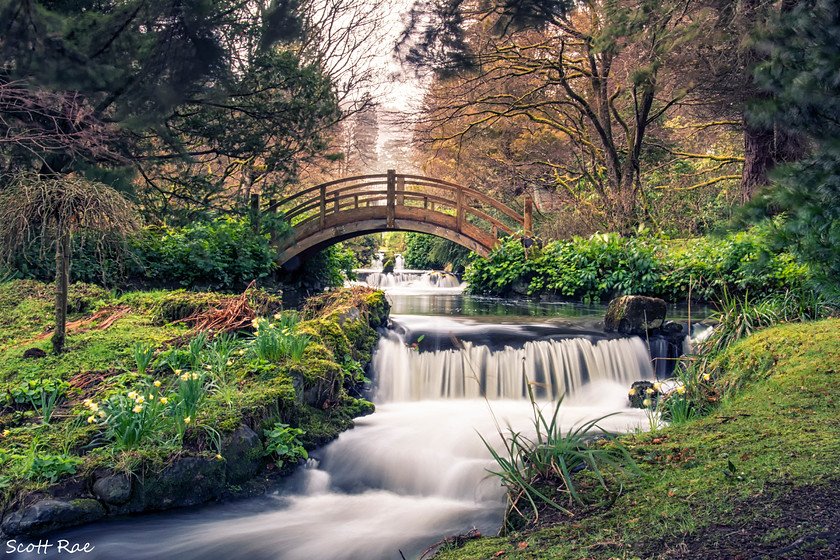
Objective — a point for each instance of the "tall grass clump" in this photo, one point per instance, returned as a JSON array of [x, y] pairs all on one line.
[[278, 341], [542, 468]]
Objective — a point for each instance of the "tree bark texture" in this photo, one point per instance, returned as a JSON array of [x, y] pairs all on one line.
[[62, 287]]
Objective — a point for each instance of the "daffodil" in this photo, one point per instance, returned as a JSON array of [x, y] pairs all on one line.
[[87, 402], [102, 414], [164, 400], [657, 386], [178, 372], [646, 402], [649, 390], [218, 456], [208, 368], [230, 363], [140, 399], [94, 407], [138, 409], [187, 420], [278, 315], [91, 419], [681, 389], [706, 376], [5, 433], [631, 392], [242, 351], [157, 383], [132, 395]]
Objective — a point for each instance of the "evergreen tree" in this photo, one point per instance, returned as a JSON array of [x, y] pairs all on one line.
[[802, 75]]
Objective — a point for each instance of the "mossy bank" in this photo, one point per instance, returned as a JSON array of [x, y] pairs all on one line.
[[169, 399], [758, 477]]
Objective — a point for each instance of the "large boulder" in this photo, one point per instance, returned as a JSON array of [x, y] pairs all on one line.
[[243, 454], [114, 490], [48, 515], [634, 314]]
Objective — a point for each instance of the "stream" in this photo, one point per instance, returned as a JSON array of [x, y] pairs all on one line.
[[415, 471]]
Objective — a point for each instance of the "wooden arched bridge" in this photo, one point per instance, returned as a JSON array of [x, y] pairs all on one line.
[[326, 214]]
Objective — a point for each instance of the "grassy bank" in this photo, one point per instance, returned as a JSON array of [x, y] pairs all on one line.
[[760, 474], [150, 390]]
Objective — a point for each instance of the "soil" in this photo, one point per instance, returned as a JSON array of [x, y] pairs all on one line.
[[797, 523], [783, 523]]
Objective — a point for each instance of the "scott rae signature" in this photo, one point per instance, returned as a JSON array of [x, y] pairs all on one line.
[[46, 546]]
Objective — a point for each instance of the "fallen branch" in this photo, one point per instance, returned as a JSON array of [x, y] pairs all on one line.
[[456, 541]]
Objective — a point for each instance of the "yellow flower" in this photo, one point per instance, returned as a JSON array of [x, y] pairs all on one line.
[[102, 414], [255, 323], [649, 390], [631, 392], [230, 363], [646, 402], [87, 402], [277, 315], [138, 409], [178, 372], [218, 456], [681, 389], [706, 376], [185, 376], [91, 419], [132, 395], [208, 368], [157, 383], [241, 352], [164, 400], [187, 420], [657, 386], [94, 407], [5, 433], [140, 399]]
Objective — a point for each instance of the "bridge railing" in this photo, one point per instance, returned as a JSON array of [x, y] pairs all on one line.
[[394, 190]]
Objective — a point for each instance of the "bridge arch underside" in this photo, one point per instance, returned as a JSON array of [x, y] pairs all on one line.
[[312, 238]]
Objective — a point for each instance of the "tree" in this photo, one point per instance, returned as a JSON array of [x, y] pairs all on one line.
[[54, 211], [597, 75], [801, 77]]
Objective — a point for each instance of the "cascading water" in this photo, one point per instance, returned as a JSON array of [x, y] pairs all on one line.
[[415, 471], [413, 279]]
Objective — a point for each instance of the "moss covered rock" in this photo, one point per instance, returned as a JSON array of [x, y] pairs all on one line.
[[634, 314], [47, 515]]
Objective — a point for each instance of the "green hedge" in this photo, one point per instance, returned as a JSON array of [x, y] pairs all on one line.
[[606, 265]]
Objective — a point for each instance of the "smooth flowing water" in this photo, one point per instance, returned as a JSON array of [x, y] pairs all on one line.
[[415, 471]]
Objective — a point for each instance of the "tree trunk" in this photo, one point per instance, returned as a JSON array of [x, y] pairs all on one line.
[[758, 160], [62, 287]]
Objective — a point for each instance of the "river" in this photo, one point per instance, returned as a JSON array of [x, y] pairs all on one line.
[[415, 471]]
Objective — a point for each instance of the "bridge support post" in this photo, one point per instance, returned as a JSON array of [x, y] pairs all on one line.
[[391, 198], [322, 216], [459, 209]]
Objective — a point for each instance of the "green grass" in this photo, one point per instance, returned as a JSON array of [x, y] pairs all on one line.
[[777, 429], [103, 364]]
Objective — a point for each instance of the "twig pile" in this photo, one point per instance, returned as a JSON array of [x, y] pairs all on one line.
[[231, 314], [109, 316]]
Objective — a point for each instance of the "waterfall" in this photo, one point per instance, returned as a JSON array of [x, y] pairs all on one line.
[[409, 279], [555, 367]]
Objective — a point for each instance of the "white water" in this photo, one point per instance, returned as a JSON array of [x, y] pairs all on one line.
[[414, 472]]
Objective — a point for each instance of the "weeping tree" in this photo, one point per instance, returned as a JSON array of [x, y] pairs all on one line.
[[51, 213]]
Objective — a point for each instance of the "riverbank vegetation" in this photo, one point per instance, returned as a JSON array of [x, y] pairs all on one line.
[[756, 475], [152, 380], [603, 266]]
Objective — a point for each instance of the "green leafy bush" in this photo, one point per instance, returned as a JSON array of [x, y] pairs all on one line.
[[223, 254], [284, 443], [606, 265]]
